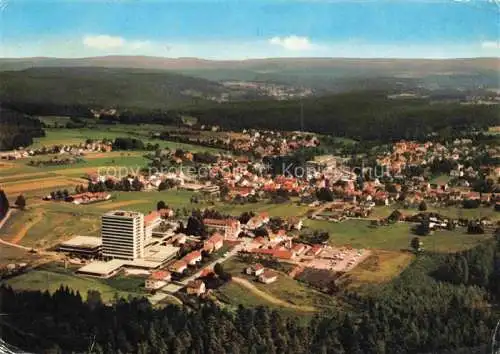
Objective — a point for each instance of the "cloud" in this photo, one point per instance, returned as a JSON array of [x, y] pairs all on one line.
[[103, 42], [295, 43], [106, 42], [491, 44]]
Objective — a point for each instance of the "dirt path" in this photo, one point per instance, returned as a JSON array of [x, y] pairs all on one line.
[[249, 286], [6, 243], [120, 204], [24, 230]]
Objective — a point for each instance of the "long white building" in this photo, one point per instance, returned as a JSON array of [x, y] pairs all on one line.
[[123, 234]]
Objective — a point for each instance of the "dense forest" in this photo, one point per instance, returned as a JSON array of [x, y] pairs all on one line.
[[4, 204], [17, 129], [419, 312], [70, 88], [357, 115]]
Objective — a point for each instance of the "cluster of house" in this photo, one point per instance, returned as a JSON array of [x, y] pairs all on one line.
[[458, 152], [56, 161], [266, 143], [88, 198], [71, 149], [266, 276], [279, 92], [282, 247], [213, 244]]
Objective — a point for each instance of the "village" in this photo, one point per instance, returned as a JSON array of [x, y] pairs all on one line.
[[180, 252]]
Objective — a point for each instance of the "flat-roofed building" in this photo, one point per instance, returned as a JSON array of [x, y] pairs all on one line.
[[87, 246], [122, 234], [151, 222]]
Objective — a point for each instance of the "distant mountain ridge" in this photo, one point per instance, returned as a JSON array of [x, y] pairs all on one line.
[[322, 74], [422, 66]]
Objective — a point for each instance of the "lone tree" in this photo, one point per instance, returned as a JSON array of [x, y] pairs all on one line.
[[395, 216], [221, 273], [21, 202], [161, 205], [416, 244], [4, 204], [422, 206]]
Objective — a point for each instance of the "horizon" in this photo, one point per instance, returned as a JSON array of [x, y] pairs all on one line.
[[250, 59], [242, 30]]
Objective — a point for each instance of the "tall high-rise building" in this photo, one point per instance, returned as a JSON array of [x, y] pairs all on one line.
[[122, 234]]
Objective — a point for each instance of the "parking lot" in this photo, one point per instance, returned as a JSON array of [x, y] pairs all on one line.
[[338, 259]]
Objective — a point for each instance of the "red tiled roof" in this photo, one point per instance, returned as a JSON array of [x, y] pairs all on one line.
[[219, 222], [268, 273], [160, 275], [298, 246], [178, 264], [192, 255], [148, 219], [282, 254], [216, 238], [195, 284]]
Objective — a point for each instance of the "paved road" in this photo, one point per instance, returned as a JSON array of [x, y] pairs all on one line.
[[224, 258]]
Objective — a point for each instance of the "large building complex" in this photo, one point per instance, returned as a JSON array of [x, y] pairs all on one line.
[[122, 234]]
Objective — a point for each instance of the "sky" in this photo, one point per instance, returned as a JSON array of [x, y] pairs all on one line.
[[242, 29]]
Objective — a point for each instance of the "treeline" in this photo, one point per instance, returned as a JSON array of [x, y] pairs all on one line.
[[413, 315], [128, 144], [358, 115], [17, 129], [478, 267], [4, 204]]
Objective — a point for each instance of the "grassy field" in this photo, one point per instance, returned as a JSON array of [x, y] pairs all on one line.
[[380, 267], [51, 277], [9, 254], [42, 228], [359, 234], [284, 209], [440, 179], [454, 212]]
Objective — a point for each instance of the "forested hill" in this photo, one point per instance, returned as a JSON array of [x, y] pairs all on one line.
[[103, 88], [359, 115], [316, 72], [17, 129]]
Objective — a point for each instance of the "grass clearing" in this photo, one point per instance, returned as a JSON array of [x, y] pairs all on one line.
[[51, 278], [10, 254], [284, 209], [440, 179], [380, 267], [32, 228], [285, 292], [454, 212]]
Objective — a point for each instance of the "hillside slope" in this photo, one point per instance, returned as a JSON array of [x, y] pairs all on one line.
[[104, 87]]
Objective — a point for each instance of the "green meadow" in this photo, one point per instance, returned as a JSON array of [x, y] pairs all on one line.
[[395, 237]]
